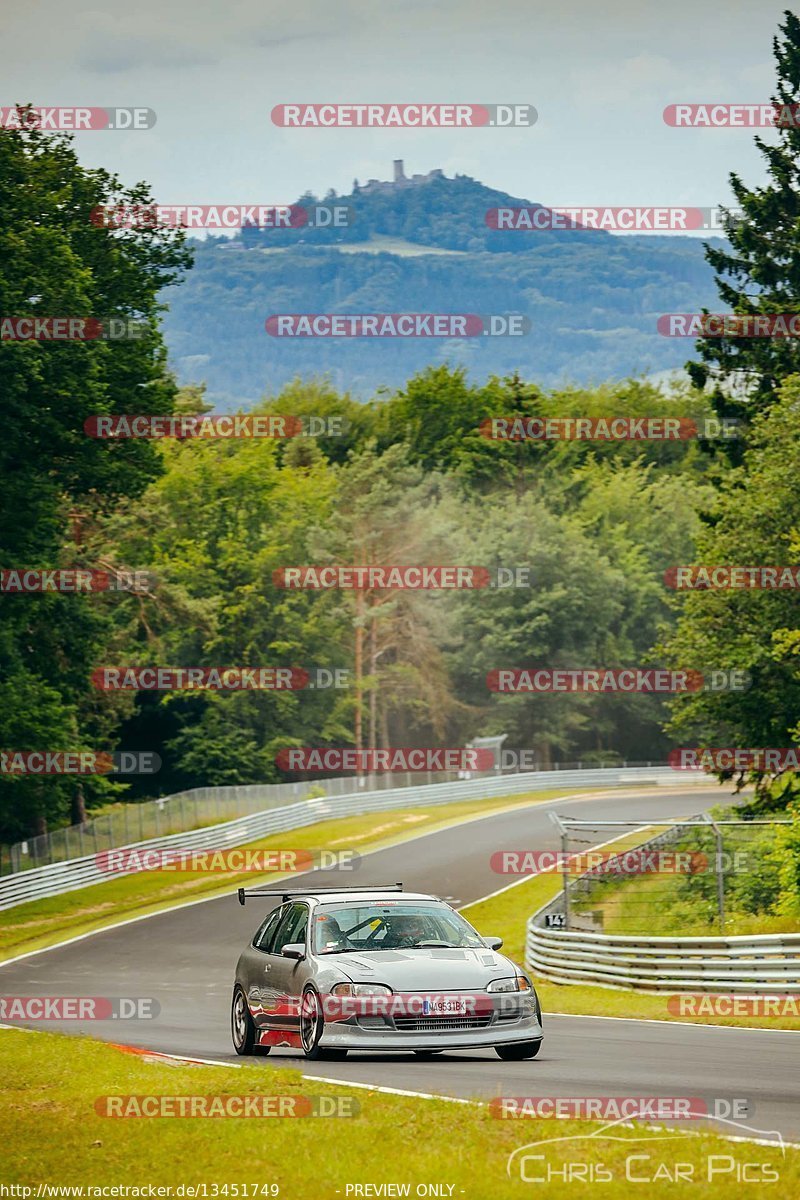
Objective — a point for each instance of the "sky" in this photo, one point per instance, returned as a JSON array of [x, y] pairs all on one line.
[[599, 76]]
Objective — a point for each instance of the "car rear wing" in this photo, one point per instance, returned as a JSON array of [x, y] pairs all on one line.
[[245, 894]]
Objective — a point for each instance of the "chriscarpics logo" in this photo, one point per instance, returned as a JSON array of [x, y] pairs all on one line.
[[636, 1155]]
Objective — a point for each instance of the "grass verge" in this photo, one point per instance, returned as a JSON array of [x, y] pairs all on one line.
[[54, 1135]]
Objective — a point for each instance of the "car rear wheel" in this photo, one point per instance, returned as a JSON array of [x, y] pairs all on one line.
[[516, 1052], [243, 1030], [312, 1024]]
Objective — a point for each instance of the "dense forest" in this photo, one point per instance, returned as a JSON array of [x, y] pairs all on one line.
[[407, 477]]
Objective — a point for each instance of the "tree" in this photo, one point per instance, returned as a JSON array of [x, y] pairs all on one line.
[[56, 479], [760, 271], [385, 516], [756, 520], [214, 527]]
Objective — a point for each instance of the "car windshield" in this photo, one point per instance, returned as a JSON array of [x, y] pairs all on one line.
[[390, 925]]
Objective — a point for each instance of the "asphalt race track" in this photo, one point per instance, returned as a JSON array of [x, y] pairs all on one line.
[[185, 958]]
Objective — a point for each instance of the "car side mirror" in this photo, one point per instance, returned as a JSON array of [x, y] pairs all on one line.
[[294, 950], [494, 943]]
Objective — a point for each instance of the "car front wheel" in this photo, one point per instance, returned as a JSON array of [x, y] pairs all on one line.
[[312, 1024], [243, 1030], [519, 1050]]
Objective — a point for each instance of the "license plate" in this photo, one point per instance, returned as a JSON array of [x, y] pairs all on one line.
[[444, 1006]]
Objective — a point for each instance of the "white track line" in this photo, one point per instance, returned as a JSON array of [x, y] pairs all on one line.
[[663, 1021], [390, 1091]]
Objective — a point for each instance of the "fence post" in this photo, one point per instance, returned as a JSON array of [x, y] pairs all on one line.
[[719, 849], [565, 876], [563, 830], [720, 879]]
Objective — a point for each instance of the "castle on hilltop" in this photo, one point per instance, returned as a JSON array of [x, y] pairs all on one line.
[[401, 180]]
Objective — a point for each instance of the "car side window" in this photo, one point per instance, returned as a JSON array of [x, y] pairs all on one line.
[[264, 935], [301, 925], [292, 928]]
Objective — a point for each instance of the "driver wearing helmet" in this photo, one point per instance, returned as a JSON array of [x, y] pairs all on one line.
[[406, 930], [331, 936]]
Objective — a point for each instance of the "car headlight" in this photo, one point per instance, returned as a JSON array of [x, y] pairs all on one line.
[[510, 983], [361, 989]]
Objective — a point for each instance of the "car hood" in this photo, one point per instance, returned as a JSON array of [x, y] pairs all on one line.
[[424, 969]]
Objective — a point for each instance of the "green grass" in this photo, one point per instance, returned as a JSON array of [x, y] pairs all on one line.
[[46, 922], [647, 902], [53, 1134]]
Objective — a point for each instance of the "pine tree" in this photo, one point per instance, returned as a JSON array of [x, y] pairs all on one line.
[[759, 272]]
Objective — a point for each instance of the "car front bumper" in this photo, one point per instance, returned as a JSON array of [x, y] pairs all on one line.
[[355, 1034]]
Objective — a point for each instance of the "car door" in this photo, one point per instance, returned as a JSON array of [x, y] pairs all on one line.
[[256, 967], [287, 975]]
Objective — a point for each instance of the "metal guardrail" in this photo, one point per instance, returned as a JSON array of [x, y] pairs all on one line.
[[761, 964], [59, 877], [179, 813]]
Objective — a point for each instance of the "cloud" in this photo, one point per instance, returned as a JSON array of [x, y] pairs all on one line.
[[105, 55]]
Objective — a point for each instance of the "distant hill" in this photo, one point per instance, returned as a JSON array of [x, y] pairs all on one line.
[[593, 299], [437, 211]]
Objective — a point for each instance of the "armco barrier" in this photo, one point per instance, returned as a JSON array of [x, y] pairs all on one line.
[[756, 964], [60, 877], [762, 964]]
